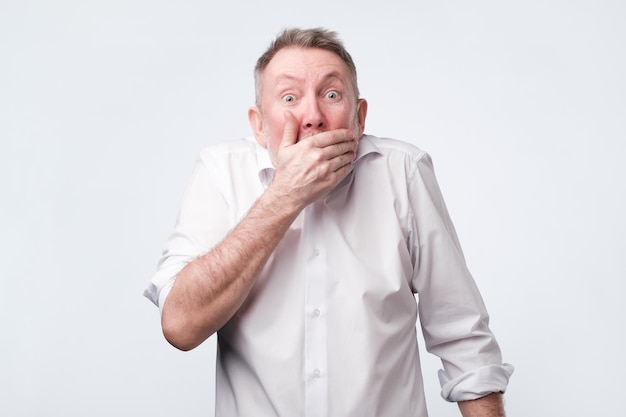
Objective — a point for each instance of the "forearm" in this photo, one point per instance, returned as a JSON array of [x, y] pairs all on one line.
[[488, 406], [210, 289]]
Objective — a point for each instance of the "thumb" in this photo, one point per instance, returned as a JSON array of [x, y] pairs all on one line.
[[290, 131]]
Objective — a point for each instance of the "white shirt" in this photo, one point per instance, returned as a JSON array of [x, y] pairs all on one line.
[[329, 328]]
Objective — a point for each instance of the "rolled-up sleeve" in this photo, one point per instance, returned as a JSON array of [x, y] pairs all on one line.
[[202, 222], [453, 317]]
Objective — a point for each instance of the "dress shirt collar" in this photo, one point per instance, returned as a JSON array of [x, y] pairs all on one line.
[[266, 169], [264, 164]]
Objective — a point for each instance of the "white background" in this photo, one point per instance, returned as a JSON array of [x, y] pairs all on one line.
[[105, 104]]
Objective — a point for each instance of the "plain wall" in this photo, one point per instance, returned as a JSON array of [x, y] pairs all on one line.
[[105, 104]]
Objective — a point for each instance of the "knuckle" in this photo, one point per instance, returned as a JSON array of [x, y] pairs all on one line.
[[316, 155], [323, 171]]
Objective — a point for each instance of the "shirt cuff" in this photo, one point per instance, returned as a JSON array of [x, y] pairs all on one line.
[[164, 293], [158, 296], [475, 384]]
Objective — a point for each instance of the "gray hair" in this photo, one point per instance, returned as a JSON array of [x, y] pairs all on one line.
[[303, 38]]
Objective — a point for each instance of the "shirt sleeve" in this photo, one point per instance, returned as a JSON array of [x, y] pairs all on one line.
[[453, 317], [202, 223]]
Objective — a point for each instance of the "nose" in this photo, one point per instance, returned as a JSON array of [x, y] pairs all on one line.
[[312, 120]]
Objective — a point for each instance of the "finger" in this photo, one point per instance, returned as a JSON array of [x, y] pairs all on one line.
[[339, 169], [290, 131], [345, 160], [348, 148], [334, 137]]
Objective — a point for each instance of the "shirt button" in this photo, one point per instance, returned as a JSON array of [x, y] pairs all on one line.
[[316, 312], [316, 252], [317, 373]]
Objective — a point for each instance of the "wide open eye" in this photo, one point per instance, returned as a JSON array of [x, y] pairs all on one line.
[[289, 98], [333, 95]]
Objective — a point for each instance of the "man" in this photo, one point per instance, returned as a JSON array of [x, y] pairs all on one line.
[[304, 247]]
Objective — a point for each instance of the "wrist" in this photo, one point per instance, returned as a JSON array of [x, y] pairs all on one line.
[[281, 202]]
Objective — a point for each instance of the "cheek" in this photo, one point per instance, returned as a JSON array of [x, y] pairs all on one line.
[[353, 120], [272, 142], [273, 126], [349, 118], [272, 129]]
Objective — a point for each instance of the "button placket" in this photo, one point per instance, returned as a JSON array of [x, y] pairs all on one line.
[[316, 384]]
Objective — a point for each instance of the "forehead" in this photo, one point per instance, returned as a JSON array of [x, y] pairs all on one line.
[[307, 64]]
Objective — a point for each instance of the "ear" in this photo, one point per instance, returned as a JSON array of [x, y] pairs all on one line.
[[361, 114], [255, 117]]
